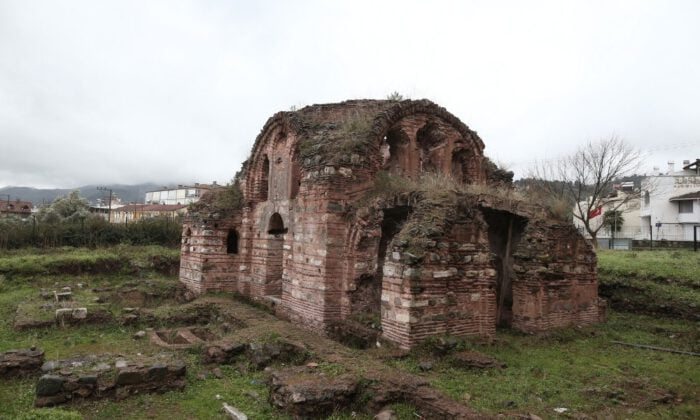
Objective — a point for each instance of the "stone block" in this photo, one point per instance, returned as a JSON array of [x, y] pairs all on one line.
[[49, 385]]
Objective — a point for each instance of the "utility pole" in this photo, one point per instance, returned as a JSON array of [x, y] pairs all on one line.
[[109, 207], [7, 209]]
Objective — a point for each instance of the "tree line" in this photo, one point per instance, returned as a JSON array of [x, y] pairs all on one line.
[[68, 222]]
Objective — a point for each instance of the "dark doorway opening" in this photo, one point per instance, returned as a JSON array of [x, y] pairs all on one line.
[[366, 300], [232, 242], [276, 225], [505, 231]]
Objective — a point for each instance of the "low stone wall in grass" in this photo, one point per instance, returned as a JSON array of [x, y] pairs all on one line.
[[96, 377], [14, 363]]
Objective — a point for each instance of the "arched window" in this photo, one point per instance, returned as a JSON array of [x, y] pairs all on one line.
[[232, 242], [276, 225]]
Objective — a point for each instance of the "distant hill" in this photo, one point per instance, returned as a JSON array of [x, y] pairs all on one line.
[[128, 193]]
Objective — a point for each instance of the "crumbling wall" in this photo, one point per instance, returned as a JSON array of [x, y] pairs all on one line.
[[557, 282], [205, 263], [449, 289]]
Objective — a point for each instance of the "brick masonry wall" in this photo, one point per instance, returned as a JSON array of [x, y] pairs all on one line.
[[321, 267]]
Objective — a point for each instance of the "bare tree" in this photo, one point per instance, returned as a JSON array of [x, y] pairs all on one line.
[[585, 180]]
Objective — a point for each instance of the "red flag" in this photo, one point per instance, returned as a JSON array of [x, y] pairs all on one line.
[[595, 212]]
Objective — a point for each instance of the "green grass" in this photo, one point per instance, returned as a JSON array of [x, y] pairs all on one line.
[[655, 282], [31, 262], [582, 371], [578, 368], [681, 266]]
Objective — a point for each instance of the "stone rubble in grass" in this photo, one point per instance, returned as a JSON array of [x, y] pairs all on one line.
[[17, 363], [93, 377]]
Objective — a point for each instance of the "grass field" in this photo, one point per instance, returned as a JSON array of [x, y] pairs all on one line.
[[653, 282], [578, 369]]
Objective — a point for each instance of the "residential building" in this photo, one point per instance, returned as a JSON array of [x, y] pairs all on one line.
[[670, 204], [183, 194], [103, 207], [135, 212], [625, 200], [17, 208]]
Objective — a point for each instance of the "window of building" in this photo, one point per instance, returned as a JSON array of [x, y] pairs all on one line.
[[685, 206], [232, 242], [646, 198], [276, 225]]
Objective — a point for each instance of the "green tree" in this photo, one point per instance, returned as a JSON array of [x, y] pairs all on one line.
[[613, 220], [71, 207]]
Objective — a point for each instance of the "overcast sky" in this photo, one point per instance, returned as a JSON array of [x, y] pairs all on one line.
[[176, 91]]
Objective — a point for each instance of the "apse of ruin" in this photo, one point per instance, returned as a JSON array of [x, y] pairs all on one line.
[[314, 238]]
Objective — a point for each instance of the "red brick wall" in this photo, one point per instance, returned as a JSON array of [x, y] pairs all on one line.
[[331, 242]]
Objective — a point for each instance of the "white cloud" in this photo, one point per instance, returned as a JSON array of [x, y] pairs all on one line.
[[131, 91]]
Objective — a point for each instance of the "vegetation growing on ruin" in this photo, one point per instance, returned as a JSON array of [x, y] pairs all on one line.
[[436, 200], [335, 143], [222, 201]]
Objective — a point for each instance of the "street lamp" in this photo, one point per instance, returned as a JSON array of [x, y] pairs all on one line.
[[109, 208]]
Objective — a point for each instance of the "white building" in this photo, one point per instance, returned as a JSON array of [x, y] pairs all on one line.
[[183, 194], [625, 200], [670, 204]]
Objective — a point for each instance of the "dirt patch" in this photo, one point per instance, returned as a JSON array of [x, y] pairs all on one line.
[[257, 355], [474, 360], [624, 297], [352, 334], [181, 338]]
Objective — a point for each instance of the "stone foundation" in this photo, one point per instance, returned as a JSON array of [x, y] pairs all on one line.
[[102, 377], [16, 363]]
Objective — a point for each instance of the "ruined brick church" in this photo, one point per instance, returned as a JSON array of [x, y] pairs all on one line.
[[321, 232]]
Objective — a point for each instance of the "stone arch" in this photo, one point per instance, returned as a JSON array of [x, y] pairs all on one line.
[[431, 115], [396, 150], [275, 225], [431, 141], [281, 127], [464, 165], [368, 243]]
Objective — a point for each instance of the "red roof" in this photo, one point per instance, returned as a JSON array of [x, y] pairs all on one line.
[[151, 207], [16, 206]]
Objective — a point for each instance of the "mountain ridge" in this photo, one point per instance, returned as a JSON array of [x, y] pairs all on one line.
[[129, 193]]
